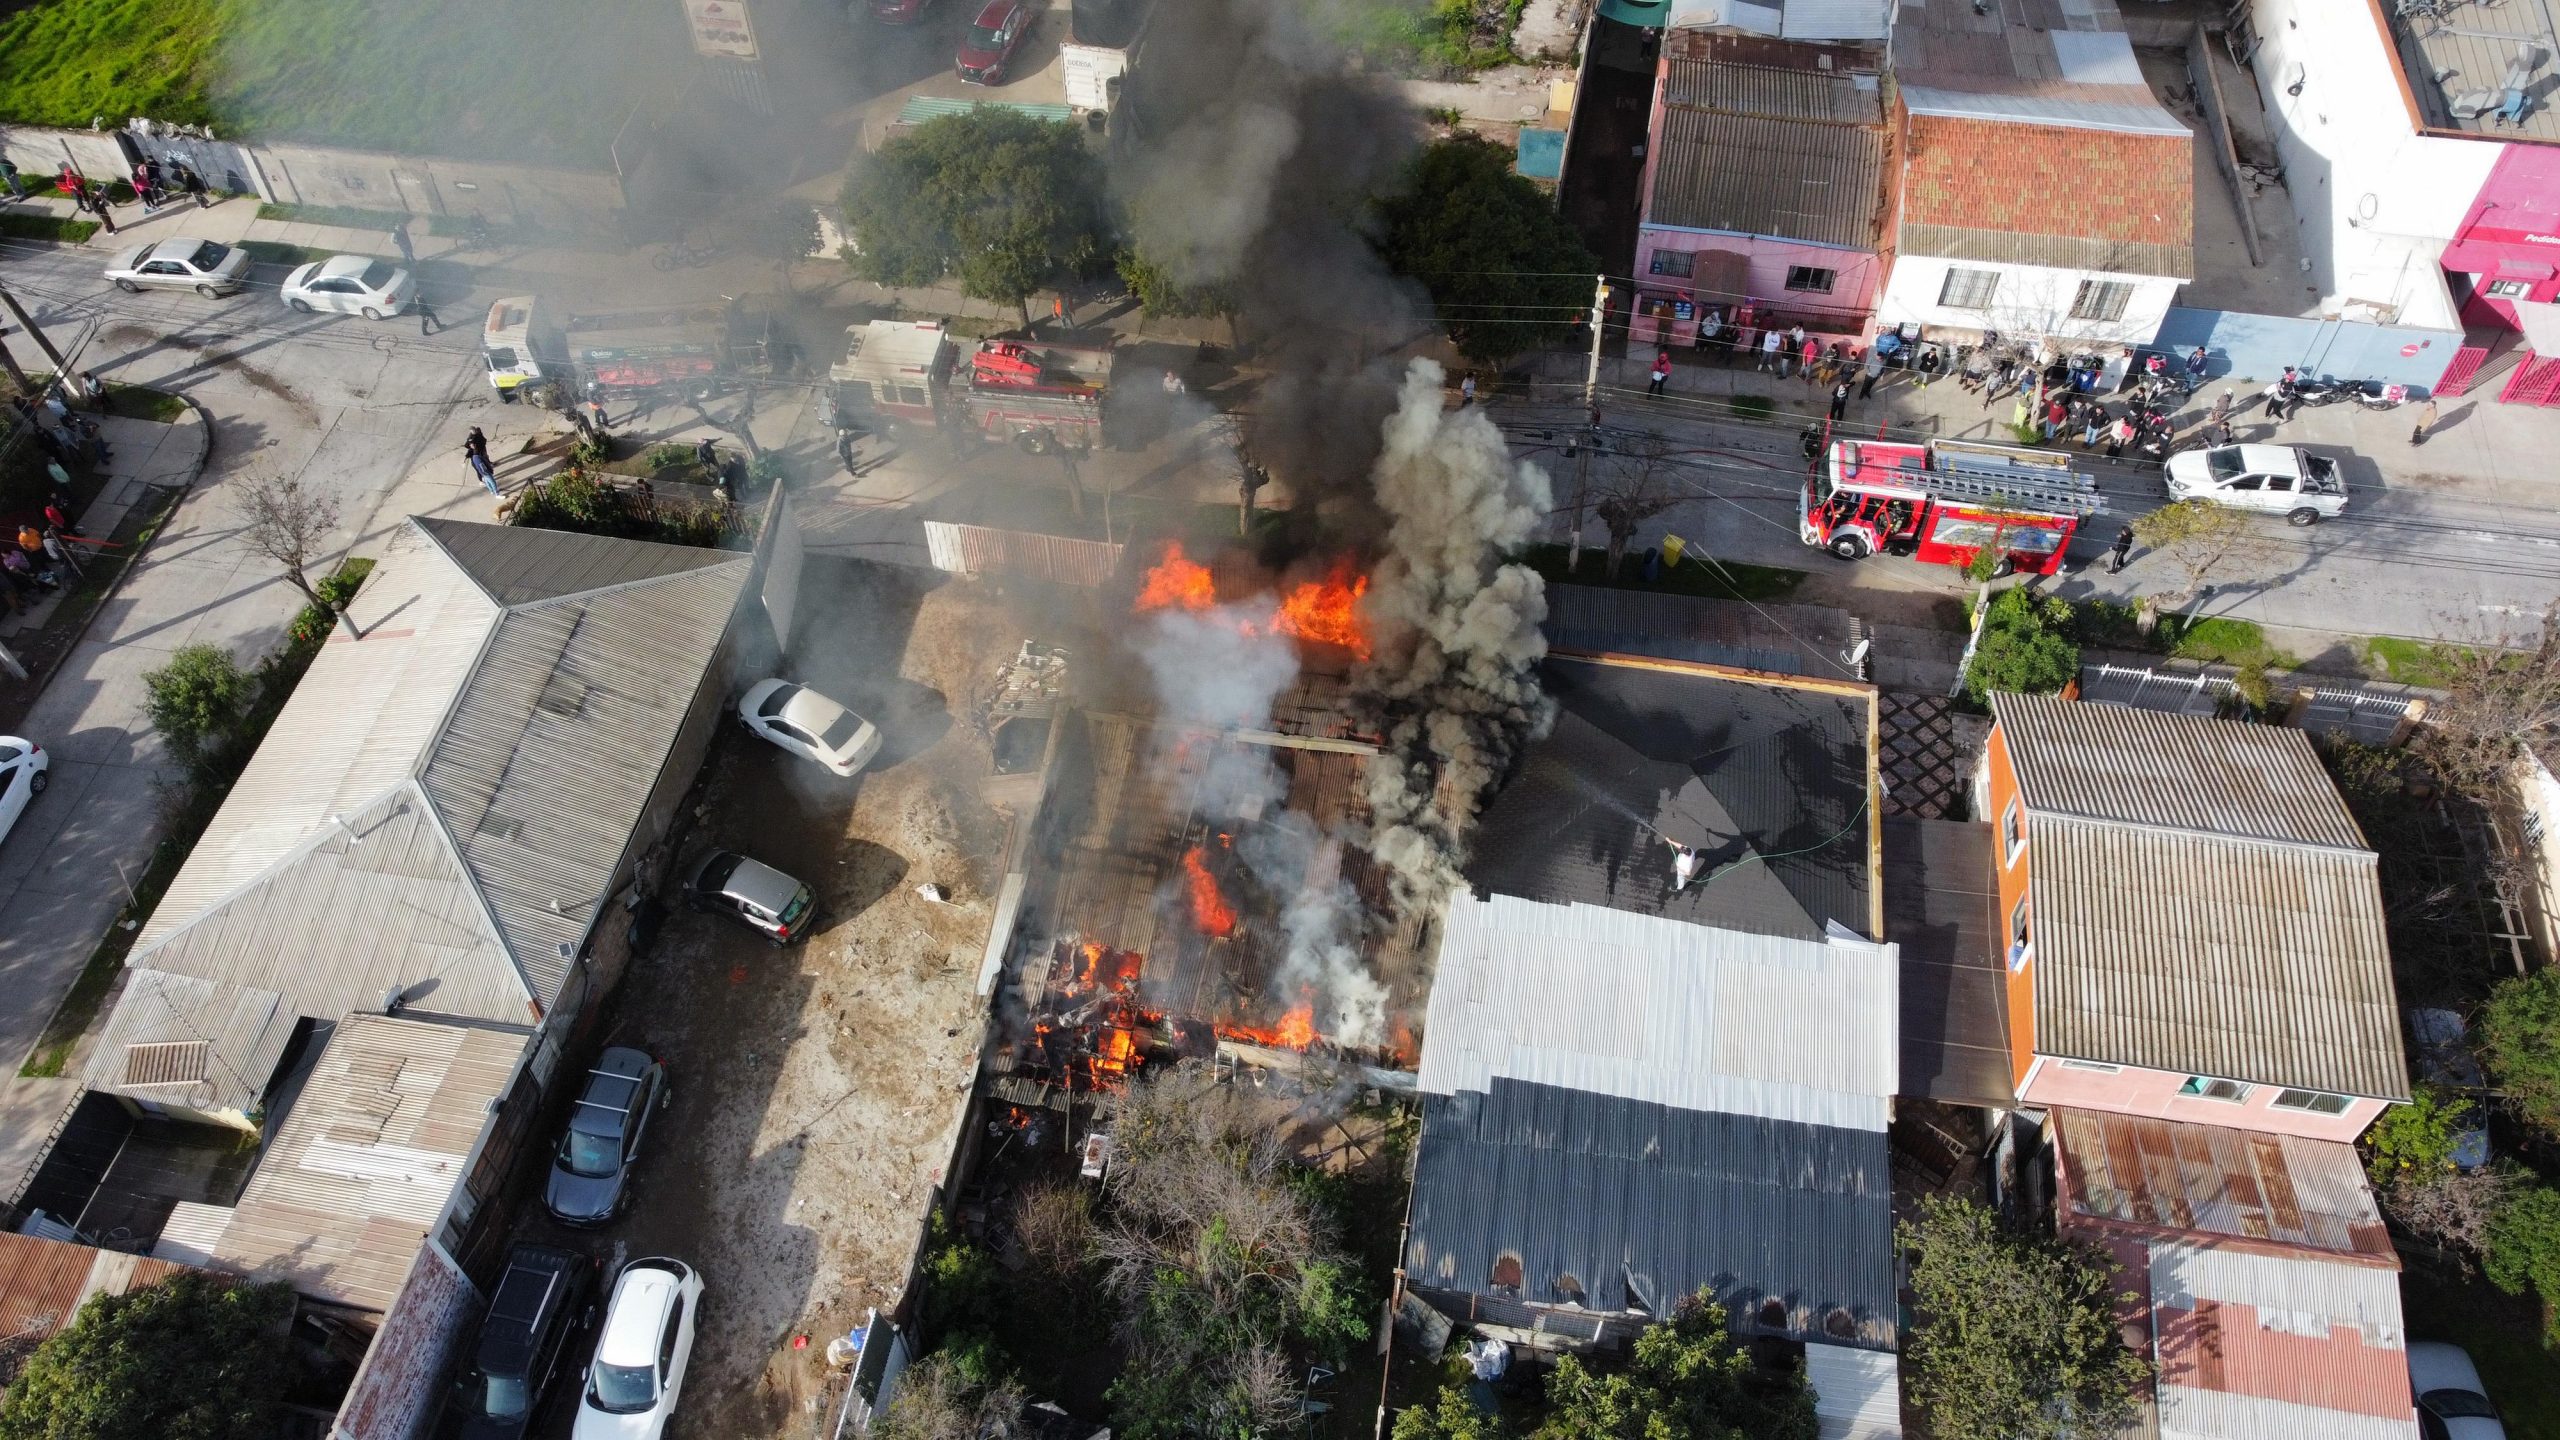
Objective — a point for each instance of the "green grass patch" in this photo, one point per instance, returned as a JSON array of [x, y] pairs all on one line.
[[2221, 642], [1696, 574], [2407, 662], [140, 402], [276, 252], [2500, 1332], [342, 216], [46, 227], [1445, 39], [487, 79]]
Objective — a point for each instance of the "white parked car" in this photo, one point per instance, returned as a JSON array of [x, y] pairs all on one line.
[[2278, 479], [350, 285], [809, 724], [23, 764], [641, 1351], [210, 269], [2451, 1403]]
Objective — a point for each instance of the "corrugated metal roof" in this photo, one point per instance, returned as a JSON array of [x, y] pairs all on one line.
[[1857, 1394], [2186, 772], [2058, 252], [43, 1283], [2132, 1170], [1777, 639], [1942, 910], [1770, 93], [1838, 19], [1770, 781], [559, 736], [1645, 1008], [2288, 1346], [2049, 62], [2196, 954], [2112, 108], [397, 1386], [431, 791], [517, 565], [1794, 179], [1639, 1204], [243, 1031], [367, 1158]]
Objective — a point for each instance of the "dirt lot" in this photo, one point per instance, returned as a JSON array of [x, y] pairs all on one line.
[[816, 1087]]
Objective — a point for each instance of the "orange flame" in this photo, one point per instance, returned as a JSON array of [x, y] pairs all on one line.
[[1209, 909], [1327, 611], [1178, 582], [1296, 1030]]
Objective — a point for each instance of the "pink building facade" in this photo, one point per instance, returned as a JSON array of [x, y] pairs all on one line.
[[2506, 253], [1826, 289], [2130, 1090]]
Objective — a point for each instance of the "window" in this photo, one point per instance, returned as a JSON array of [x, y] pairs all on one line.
[[2312, 1100], [1968, 289], [1811, 277], [2510, 289], [2099, 1067], [2205, 1087], [2012, 837], [1673, 262], [2101, 300], [2018, 935]]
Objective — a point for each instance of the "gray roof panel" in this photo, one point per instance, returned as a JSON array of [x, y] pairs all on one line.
[[518, 565], [1777, 639], [1793, 179], [1839, 96], [1641, 1204], [2184, 772]]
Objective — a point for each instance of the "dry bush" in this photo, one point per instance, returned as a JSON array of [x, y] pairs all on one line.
[[2451, 1210], [1054, 1223]]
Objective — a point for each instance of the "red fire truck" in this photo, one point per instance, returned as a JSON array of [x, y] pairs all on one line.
[[1028, 392], [1944, 500]]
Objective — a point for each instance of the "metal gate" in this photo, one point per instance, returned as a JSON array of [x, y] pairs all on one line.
[[2457, 376], [2535, 382]]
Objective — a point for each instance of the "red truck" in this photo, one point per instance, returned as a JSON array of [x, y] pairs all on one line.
[[1029, 392]]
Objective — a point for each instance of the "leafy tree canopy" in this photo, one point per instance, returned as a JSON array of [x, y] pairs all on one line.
[[2520, 1038], [195, 1357], [2026, 647], [993, 197], [196, 701], [1451, 1415], [2414, 1141], [1688, 1379], [1505, 269], [2523, 1253], [2016, 1335], [1157, 287]]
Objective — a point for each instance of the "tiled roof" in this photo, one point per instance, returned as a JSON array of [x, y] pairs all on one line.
[[2049, 195]]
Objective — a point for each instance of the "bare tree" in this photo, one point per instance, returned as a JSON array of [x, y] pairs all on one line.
[[290, 523], [934, 1401], [2450, 1210], [1054, 1222], [2203, 540], [1634, 488], [2500, 698]]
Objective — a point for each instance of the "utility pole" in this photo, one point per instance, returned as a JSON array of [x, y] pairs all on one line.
[[1591, 377], [61, 372]]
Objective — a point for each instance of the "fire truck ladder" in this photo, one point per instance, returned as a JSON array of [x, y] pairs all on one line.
[[1986, 481]]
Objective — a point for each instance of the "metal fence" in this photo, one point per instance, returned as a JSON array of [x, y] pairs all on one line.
[[984, 550]]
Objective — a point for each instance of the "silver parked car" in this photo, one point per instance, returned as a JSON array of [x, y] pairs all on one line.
[[350, 285], [2278, 479], [208, 268], [2452, 1404], [728, 883]]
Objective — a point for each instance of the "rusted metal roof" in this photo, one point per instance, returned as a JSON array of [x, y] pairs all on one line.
[[400, 1382], [2181, 772], [1838, 96], [43, 1283], [2251, 1346], [2277, 1191]]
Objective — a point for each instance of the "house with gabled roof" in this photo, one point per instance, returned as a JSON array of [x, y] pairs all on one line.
[[2193, 921], [446, 814]]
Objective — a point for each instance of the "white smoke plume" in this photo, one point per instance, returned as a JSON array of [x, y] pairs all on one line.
[[1454, 677], [1218, 668]]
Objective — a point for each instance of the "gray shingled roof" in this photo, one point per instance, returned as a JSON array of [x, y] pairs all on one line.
[[1640, 1204], [1769, 781]]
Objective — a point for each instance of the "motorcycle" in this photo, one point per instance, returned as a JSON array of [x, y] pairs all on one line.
[[2371, 394]]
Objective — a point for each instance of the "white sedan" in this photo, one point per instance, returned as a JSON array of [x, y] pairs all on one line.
[[2452, 1404], [641, 1351], [207, 267], [350, 285], [810, 725], [2278, 479], [23, 764]]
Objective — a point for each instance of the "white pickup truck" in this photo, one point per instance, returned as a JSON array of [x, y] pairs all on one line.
[[2278, 479]]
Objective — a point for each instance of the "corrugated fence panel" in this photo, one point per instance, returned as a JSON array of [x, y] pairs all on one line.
[[982, 550]]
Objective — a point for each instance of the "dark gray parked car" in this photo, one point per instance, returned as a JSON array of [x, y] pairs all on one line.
[[591, 1174], [541, 1300], [728, 883]]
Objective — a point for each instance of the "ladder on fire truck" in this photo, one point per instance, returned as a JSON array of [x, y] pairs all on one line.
[[1991, 478]]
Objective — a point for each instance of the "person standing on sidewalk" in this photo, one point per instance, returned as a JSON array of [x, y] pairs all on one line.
[[193, 184], [1467, 390], [1875, 372], [2426, 422], [98, 204], [1770, 359], [2121, 550], [400, 238], [1928, 366], [429, 322], [1661, 374], [1808, 352], [1839, 402]]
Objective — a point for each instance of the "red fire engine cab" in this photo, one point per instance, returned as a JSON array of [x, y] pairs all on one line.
[[1944, 500]]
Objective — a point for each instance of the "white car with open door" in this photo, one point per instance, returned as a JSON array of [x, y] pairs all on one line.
[[2277, 479], [23, 776], [641, 1350], [809, 724]]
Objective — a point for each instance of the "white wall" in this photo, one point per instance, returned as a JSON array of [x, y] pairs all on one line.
[[2030, 300], [2374, 201]]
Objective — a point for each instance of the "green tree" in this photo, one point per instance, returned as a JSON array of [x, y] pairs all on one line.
[[2015, 1334], [2414, 1141], [994, 198], [1451, 1415], [1159, 288], [2520, 1040], [2523, 1253], [196, 702], [1688, 1379], [2203, 540], [2026, 647], [195, 1357], [1504, 268]]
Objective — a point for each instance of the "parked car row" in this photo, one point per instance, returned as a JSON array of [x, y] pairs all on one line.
[[542, 1302], [343, 284]]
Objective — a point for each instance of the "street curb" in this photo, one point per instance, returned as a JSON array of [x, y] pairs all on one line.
[[204, 453]]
